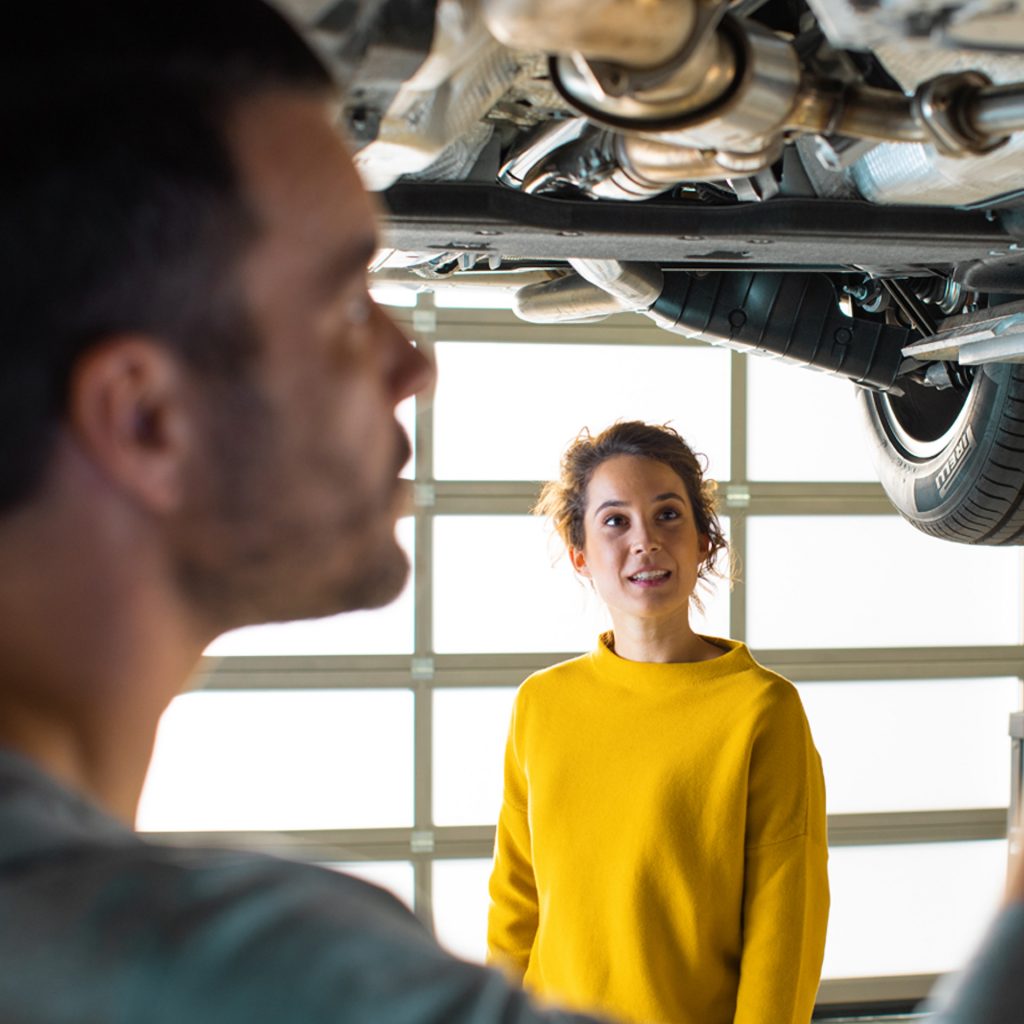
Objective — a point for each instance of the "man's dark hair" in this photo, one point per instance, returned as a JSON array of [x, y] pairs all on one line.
[[120, 206]]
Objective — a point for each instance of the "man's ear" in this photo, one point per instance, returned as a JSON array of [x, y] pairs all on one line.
[[579, 561], [128, 410]]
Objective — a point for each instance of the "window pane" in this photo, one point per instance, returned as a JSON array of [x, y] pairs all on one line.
[[476, 296], [875, 581], [393, 295], [385, 630], [282, 760], [394, 875], [503, 583], [913, 746], [460, 906], [803, 425], [910, 909], [507, 411], [470, 727]]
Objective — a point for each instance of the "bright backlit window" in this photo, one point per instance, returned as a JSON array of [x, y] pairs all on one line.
[[910, 909], [470, 727], [507, 411], [929, 744], [282, 760], [396, 876], [460, 906], [875, 581], [783, 402]]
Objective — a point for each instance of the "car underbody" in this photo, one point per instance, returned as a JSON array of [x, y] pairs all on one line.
[[837, 184]]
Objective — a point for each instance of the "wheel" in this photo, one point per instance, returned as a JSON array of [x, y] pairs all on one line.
[[952, 462]]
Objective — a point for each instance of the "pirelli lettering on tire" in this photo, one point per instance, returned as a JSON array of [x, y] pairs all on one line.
[[954, 461]]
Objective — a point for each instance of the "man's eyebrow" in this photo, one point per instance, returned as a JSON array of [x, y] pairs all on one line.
[[347, 262]]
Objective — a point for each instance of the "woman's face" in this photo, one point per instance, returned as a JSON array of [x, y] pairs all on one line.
[[641, 546]]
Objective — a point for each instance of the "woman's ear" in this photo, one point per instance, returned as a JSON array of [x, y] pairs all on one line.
[[579, 561]]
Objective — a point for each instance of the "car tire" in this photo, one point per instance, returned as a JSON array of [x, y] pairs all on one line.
[[952, 461]]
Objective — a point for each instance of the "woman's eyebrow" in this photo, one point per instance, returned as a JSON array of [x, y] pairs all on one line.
[[610, 503], [619, 503]]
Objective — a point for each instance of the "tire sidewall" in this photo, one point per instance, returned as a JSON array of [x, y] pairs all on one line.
[[928, 490]]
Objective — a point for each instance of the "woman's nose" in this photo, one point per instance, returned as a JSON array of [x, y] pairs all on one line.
[[644, 542]]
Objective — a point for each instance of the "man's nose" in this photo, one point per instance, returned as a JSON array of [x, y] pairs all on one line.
[[411, 371]]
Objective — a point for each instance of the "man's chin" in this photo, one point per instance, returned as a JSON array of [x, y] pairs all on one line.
[[380, 584]]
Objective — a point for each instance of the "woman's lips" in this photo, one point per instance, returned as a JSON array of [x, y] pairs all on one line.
[[649, 577]]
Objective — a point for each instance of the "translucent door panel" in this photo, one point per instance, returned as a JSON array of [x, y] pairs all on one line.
[[460, 906], [875, 581], [916, 745], [507, 411], [294, 759], [910, 909], [803, 425], [470, 727], [394, 875]]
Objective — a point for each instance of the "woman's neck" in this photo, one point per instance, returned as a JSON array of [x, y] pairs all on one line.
[[660, 641]]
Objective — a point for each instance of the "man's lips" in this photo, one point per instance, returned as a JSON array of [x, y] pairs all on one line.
[[405, 494]]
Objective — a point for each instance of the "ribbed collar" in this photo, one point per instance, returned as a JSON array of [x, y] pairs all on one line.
[[650, 675]]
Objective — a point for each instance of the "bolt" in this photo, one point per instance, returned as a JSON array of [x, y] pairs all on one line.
[[843, 336], [737, 318]]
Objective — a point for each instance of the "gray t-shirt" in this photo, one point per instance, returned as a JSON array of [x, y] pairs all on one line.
[[990, 990], [98, 926]]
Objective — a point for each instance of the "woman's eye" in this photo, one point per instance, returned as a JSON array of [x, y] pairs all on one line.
[[614, 520], [669, 513]]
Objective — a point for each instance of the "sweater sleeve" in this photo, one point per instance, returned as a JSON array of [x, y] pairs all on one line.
[[785, 888], [513, 914]]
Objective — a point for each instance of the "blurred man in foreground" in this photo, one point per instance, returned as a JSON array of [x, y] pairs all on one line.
[[197, 403], [197, 419]]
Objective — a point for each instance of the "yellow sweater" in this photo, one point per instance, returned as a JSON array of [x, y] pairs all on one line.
[[661, 850]]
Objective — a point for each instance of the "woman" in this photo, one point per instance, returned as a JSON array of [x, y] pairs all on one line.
[[661, 848]]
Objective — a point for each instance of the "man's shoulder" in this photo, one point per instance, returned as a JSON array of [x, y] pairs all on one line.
[[210, 935]]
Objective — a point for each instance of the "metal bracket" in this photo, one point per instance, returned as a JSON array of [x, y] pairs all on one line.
[[737, 496], [424, 321], [422, 669], [989, 341], [421, 842]]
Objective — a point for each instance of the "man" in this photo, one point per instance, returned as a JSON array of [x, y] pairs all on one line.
[[197, 410], [990, 990]]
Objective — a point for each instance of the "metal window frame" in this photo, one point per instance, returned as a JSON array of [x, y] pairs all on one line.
[[425, 670]]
